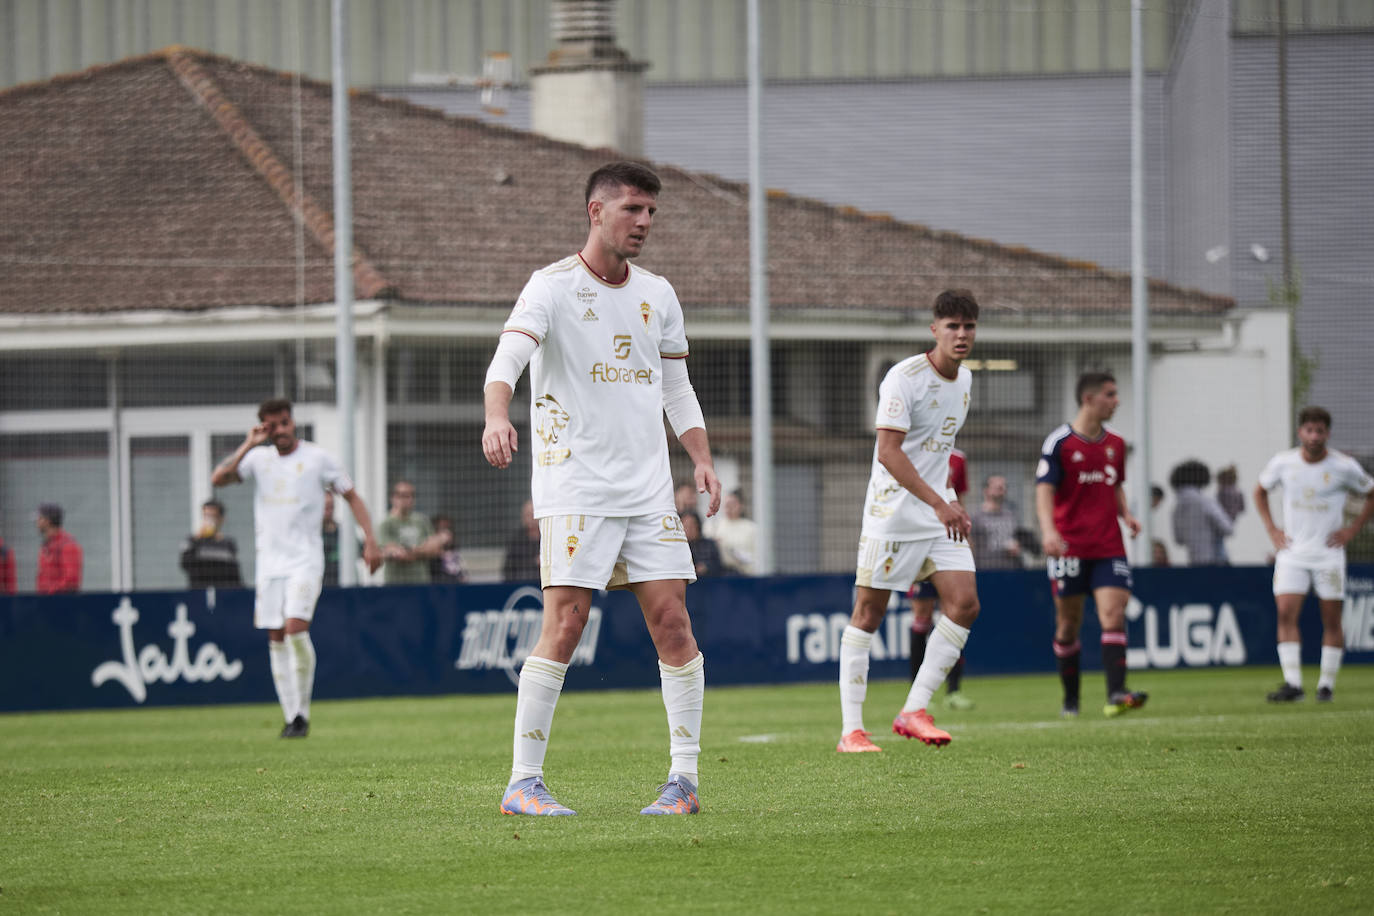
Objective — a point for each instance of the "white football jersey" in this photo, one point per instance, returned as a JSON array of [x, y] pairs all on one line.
[[596, 387], [915, 399], [1314, 499], [288, 506]]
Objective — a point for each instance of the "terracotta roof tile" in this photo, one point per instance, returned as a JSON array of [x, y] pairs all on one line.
[[172, 180]]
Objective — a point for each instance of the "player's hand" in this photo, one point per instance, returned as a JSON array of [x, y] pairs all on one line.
[[1132, 524], [372, 555], [1278, 538], [707, 482], [955, 519], [258, 435], [1340, 537], [1053, 545], [499, 442]]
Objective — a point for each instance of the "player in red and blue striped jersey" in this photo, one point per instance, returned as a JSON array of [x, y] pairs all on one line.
[[1078, 499]]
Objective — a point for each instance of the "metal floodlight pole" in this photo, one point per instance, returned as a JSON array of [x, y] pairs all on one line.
[[760, 371], [1140, 302], [344, 350]]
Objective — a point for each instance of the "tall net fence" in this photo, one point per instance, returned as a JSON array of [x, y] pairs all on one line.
[[167, 223]]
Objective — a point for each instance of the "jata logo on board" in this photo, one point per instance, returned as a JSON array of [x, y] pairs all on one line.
[[137, 668]]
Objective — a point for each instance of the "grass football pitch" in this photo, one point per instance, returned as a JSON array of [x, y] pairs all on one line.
[[1208, 800]]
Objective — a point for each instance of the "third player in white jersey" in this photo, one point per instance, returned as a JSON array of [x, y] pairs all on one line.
[[288, 506], [1310, 546], [1314, 495], [596, 386], [917, 400]]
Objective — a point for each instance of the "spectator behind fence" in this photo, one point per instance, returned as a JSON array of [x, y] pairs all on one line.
[[1159, 554], [1228, 492], [522, 549], [329, 539], [59, 559], [993, 536], [407, 539], [705, 551], [447, 564], [9, 582], [1200, 523], [209, 558], [735, 535]]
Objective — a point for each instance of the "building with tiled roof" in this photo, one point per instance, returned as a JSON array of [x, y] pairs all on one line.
[[166, 236]]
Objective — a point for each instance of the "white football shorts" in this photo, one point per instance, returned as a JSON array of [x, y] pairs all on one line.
[[1295, 578], [594, 552], [895, 565], [285, 596]]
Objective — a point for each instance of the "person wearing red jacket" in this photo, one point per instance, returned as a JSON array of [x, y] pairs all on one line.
[[8, 583], [59, 559]]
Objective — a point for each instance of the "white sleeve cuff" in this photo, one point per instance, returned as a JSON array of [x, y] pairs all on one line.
[[513, 354], [679, 399]]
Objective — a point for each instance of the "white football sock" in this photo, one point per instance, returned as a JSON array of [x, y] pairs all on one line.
[[854, 647], [684, 692], [1331, 666], [942, 651], [541, 681], [1290, 661], [283, 678], [303, 667]]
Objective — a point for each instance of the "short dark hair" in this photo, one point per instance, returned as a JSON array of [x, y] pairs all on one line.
[[615, 175], [1190, 473], [956, 303], [52, 512], [1090, 382], [214, 504], [273, 405], [1315, 415]]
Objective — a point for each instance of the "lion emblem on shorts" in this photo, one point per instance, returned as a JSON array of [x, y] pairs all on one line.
[[550, 419]]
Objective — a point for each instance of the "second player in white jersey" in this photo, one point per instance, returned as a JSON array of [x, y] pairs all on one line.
[[1314, 495], [596, 388], [288, 506], [915, 399]]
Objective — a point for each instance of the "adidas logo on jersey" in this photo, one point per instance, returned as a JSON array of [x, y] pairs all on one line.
[[589, 315]]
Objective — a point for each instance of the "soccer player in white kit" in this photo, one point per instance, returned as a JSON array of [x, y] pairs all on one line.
[[1311, 544], [913, 531], [291, 477], [607, 353]]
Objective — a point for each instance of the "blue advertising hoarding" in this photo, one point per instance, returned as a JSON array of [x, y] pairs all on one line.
[[188, 647]]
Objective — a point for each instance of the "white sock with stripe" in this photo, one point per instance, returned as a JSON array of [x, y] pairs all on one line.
[[942, 651], [541, 681], [684, 694], [1290, 661], [283, 677], [1331, 666], [303, 668], [854, 648]]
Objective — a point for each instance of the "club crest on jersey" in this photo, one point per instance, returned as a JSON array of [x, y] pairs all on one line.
[[645, 310], [1111, 453], [966, 400], [572, 545], [1077, 456]]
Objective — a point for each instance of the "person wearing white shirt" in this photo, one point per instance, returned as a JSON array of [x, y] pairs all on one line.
[[291, 478], [736, 536], [1310, 547], [914, 527], [606, 347]]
